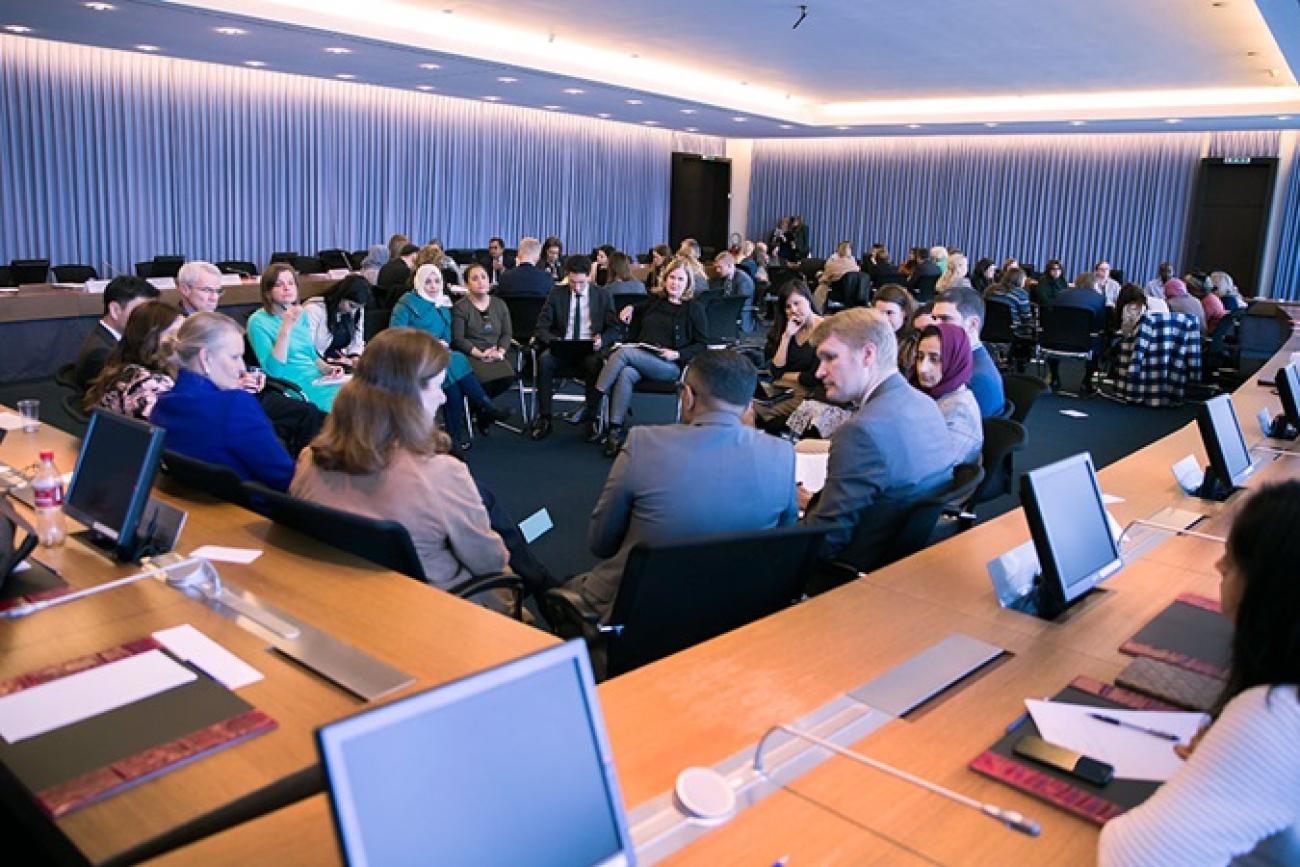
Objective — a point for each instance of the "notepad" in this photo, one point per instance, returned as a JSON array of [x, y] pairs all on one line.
[[810, 470], [11, 421], [1135, 755], [79, 696]]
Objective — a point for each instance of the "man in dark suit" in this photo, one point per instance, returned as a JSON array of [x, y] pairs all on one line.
[[926, 275], [578, 310], [497, 261], [526, 278], [732, 281], [395, 275], [122, 295], [710, 474], [880, 268], [892, 451]]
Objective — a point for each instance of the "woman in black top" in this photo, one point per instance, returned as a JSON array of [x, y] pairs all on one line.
[[553, 258], [792, 357], [663, 336], [1051, 284], [981, 277]]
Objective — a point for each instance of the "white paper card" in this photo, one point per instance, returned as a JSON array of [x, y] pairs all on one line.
[[162, 282], [810, 470], [1135, 755], [80, 696], [10, 421], [338, 273], [1074, 413], [1189, 474], [535, 525], [1111, 499], [198, 649], [96, 287], [223, 554], [231, 280]]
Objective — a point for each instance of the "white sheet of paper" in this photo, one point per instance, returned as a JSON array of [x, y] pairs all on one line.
[[535, 525], [1171, 517], [1111, 499], [1189, 474], [1074, 413], [80, 696], [10, 421], [1133, 754], [198, 649], [810, 470], [222, 554]]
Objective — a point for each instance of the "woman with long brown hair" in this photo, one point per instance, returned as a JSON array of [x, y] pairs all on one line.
[[141, 367]]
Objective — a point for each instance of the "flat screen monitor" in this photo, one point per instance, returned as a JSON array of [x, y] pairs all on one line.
[[1288, 389], [1071, 533], [113, 478], [508, 766], [1225, 446]]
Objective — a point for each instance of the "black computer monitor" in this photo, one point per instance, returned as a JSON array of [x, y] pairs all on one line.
[[1225, 446], [111, 484], [1287, 425], [1071, 533], [508, 766]]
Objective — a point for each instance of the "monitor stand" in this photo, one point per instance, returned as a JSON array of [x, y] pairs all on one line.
[[1280, 429], [1212, 489], [161, 529], [1028, 604]]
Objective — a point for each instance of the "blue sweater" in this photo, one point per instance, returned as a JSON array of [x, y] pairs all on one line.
[[986, 383], [223, 427]]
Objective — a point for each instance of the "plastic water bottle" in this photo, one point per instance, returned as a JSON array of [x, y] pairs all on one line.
[[47, 488]]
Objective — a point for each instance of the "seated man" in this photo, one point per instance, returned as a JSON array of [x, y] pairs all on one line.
[[732, 281], [965, 307], [893, 450], [577, 310], [122, 295], [710, 474], [497, 261], [526, 278]]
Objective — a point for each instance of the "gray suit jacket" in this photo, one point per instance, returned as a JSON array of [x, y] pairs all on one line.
[[890, 452], [674, 482]]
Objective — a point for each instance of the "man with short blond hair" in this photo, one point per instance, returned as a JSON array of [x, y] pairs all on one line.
[[526, 278], [892, 451]]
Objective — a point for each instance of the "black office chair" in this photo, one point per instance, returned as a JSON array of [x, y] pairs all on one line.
[[308, 265], [25, 271], [213, 479], [1002, 439], [65, 377], [810, 268], [996, 331], [167, 266], [377, 319], [358, 256], [1022, 389], [144, 270], [6, 276], [524, 311], [852, 290], [336, 259], [923, 289], [676, 595], [285, 257], [450, 276], [382, 542], [237, 266], [74, 273], [1068, 332]]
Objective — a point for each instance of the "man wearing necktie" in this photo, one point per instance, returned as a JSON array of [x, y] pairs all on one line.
[[575, 310]]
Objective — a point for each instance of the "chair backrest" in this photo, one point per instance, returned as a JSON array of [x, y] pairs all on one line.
[[1002, 438], [723, 315], [676, 595], [285, 256], [524, 310], [236, 266], [24, 271], [219, 481], [923, 290], [809, 268], [997, 320], [635, 301], [308, 265], [852, 290], [450, 276], [1066, 329], [6, 276], [1022, 389], [385, 543], [923, 516], [377, 319], [144, 269], [74, 273], [462, 255], [333, 259], [167, 265]]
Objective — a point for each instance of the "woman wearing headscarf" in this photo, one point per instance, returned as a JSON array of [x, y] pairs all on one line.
[[943, 370], [1180, 302], [376, 258]]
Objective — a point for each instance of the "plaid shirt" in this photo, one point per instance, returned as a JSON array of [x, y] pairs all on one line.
[[1160, 359]]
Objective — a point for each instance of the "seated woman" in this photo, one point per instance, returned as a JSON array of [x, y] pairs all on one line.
[[841, 262], [376, 258], [981, 277], [1221, 284], [663, 336], [282, 339], [943, 369], [1213, 306], [481, 330], [209, 415], [1051, 284], [792, 356], [141, 366], [427, 308], [660, 255], [621, 281], [897, 305], [381, 454], [1180, 302], [1237, 799], [338, 319], [955, 274], [553, 258], [1132, 304], [599, 274]]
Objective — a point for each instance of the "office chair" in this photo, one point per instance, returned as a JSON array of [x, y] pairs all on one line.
[[237, 266], [308, 265], [723, 316], [167, 266], [1002, 439], [1022, 389], [213, 479], [74, 273], [1068, 332], [24, 271]]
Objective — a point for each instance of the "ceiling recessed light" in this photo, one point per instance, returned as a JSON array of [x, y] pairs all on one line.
[[506, 79], [650, 122], [913, 126], [692, 129], [231, 31], [147, 48], [100, 7], [1077, 122], [633, 101], [424, 87], [739, 119], [787, 126], [256, 64], [430, 66], [574, 91], [1284, 117], [338, 49], [346, 76], [842, 128], [492, 98], [552, 107], [605, 114], [688, 111], [991, 124], [1173, 120], [18, 28]]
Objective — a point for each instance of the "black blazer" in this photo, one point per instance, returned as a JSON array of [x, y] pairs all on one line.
[[526, 279], [554, 318]]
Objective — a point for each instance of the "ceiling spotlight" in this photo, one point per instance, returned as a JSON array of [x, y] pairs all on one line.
[[913, 126], [506, 79], [1284, 117], [692, 129], [231, 31], [1077, 122], [256, 64], [18, 28], [843, 128], [147, 48], [430, 66], [787, 126], [552, 107], [1173, 120], [492, 98], [346, 76], [338, 49], [991, 124], [633, 101], [100, 7], [574, 91], [688, 111], [740, 119], [604, 114], [650, 122], [425, 87]]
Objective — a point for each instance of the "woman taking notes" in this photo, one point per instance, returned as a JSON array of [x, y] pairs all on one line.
[[283, 342], [1239, 793]]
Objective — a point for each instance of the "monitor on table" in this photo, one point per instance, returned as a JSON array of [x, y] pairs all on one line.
[[115, 472]]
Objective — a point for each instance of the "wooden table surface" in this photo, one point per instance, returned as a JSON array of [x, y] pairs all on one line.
[[704, 704], [423, 631]]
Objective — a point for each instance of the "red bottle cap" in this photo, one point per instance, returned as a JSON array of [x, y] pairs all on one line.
[[47, 455]]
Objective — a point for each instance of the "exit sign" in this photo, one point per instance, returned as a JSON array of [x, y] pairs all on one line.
[[1236, 161]]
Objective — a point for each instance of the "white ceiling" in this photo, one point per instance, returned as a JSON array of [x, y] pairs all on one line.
[[853, 67]]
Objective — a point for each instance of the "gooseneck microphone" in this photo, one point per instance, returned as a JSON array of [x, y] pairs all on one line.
[[1009, 818]]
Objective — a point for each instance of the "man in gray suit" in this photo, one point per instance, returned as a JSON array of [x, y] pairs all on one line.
[[893, 450], [711, 474]]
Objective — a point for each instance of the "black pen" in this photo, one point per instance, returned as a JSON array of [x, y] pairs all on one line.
[[1164, 736]]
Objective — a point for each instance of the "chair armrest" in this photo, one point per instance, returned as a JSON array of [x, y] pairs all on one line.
[[500, 580], [574, 605]]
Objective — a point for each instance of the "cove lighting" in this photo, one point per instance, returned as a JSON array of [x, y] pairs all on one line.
[[18, 28], [149, 48], [100, 7], [231, 31], [256, 64], [338, 49], [430, 66]]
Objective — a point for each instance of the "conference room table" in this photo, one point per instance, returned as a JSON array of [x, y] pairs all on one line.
[[426, 633], [714, 700]]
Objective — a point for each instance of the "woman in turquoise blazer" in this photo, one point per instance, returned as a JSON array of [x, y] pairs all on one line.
[[282, 339]]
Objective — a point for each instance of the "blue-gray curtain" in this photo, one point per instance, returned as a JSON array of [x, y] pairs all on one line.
[[1286, 271], [107, 158], [1078, 198]]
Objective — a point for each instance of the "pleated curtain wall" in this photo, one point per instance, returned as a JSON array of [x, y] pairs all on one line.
[[1286, 270], [1077, 198], [110, 157]]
